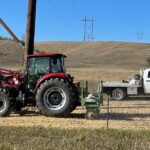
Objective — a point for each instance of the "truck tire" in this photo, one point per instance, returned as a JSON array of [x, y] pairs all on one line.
[[118, 94], [4, 104], [55, 98]]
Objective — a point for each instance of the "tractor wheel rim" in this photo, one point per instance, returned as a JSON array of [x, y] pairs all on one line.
[[2, 104], [54, 98]]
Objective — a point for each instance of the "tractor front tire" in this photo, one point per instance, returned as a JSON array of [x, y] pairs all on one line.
[[4, 104], [55, 97]]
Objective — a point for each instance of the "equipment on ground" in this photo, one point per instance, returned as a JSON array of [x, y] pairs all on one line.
[[91, 102]]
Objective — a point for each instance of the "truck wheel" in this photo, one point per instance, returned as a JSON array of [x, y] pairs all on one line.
[[54, 98], [4, 104], [118, 94]]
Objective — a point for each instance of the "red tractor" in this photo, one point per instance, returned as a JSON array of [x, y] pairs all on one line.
[[44, 84]]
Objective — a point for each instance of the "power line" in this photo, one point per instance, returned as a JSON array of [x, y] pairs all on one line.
[[75, 8], [94, 5], [59, 15]]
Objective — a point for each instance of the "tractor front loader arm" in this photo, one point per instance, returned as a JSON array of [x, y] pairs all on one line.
[[22, 44]]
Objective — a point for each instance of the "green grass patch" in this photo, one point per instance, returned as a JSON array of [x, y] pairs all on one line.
[[72, 139]]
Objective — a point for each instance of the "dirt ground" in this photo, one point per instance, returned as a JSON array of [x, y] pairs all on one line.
[[129, 114]]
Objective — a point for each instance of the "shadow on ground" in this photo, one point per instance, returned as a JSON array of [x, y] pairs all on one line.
[[113, 116], [103, 116]]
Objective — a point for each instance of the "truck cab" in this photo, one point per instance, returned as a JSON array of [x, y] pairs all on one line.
[[146, 81]]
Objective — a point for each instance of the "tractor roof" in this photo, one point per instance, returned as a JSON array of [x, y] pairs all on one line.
[[46, 55]]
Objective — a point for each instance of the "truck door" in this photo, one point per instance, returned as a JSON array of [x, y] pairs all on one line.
[[146, 78]]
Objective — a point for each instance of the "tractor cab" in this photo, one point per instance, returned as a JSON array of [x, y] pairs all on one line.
[[40, 65]]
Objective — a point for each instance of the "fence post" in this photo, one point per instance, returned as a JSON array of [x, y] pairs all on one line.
[[108, 99]]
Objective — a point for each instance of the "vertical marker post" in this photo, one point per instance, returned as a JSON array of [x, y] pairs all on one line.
[[108, 99]]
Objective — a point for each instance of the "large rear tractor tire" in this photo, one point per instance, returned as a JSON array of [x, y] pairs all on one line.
[[76, 98], [55, 97], [118, 94], [4, 104]]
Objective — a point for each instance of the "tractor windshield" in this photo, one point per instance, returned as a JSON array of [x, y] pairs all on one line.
[[45, 65], [40, 66]]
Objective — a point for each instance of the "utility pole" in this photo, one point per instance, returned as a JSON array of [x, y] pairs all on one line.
[[84, 20], [92, 29], [30, 30], [88, 35], [139, 38], [142, 34]]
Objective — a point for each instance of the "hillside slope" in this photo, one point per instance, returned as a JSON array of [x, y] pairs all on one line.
[[93, 54], [10, 54]]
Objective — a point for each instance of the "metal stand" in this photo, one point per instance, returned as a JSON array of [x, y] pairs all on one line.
[[91, 102]]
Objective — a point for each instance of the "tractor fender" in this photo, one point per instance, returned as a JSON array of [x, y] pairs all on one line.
[[48, 76]]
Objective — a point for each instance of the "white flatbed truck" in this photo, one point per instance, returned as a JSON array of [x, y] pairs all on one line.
[[138, 85]]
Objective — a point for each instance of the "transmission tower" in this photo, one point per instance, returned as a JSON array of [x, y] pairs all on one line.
[[88, 29], [139, 37]]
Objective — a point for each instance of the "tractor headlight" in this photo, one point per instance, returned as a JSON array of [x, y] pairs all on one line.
[[15, 81]]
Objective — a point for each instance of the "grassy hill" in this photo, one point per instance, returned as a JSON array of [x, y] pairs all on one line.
[[92, 54], [10, 54], [99, 54]]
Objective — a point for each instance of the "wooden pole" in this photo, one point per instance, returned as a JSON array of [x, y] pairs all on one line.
[[30, 31]]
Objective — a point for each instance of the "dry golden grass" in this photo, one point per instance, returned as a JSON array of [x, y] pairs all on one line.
[[97, 54], [92, 54], [101, 73]]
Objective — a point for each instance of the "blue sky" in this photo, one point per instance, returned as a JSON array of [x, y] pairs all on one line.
[[60, 20]]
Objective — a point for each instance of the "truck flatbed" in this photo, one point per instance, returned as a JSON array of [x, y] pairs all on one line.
[[120, 84]]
